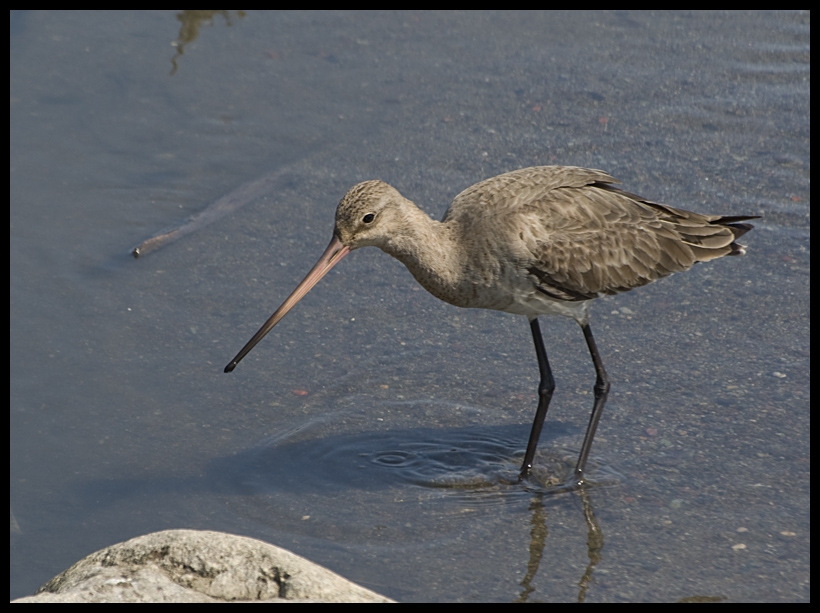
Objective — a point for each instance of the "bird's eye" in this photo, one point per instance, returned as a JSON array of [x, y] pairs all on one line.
[[368, 218]]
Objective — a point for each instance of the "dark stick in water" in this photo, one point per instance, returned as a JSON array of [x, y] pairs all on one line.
[[224, 206]]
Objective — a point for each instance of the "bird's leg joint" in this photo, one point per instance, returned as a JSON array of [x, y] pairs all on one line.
[[601, 388], [546, 387]]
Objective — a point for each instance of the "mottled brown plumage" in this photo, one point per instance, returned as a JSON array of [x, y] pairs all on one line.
[[542, 240], [535, 241]]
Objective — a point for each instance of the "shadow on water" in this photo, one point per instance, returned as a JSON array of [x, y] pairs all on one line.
[[467, 475], [454, 459], [369, 490], [471, 459]]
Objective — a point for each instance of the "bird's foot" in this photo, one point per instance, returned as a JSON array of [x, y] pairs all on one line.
[[553, 484]]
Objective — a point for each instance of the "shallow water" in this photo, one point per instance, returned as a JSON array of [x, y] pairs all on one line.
[[376, 430]]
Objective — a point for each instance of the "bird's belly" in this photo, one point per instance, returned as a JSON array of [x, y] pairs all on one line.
[[505, 289], [521, 299], [536, 304]]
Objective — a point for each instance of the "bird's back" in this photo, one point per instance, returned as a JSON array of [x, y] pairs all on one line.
[[575, 236]]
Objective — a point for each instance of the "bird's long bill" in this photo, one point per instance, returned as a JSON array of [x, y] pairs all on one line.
[[333, 255]]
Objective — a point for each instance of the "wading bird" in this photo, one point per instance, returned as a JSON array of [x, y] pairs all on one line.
[[546, 240]]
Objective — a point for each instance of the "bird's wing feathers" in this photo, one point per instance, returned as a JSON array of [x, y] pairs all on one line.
[[579, 237], [519, 187]]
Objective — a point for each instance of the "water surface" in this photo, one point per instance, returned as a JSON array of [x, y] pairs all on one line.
[[375, 429]]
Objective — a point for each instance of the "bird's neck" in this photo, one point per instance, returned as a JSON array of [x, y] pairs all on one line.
[[429, 251]]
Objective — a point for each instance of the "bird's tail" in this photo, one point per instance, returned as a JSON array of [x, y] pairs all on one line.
[[738, 229]]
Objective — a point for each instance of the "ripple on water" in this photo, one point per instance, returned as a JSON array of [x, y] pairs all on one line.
[[339, 479], [468, 461]]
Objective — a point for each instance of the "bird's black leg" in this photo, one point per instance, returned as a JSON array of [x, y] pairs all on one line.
[[601, 391], [546, 387]]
